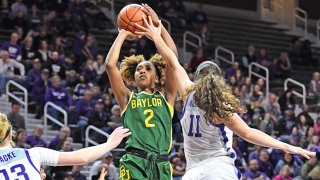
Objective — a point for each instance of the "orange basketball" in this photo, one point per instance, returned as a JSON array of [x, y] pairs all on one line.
[[129, 15]]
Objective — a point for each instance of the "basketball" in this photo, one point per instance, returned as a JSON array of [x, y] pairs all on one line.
[[129, 15]]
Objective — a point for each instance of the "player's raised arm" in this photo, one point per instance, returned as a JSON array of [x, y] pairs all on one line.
[[86, 155], [154, 33], [170, 84], [121, 92]]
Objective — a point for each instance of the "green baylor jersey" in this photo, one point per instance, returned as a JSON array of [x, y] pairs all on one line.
[[148, 117]]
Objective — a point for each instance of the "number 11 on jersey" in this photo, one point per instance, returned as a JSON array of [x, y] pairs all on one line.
[[190, 133]]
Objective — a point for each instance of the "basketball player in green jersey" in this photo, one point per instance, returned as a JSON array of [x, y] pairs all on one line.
[[148, 113]]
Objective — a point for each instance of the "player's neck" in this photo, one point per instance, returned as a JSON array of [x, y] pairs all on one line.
[[147, 90]]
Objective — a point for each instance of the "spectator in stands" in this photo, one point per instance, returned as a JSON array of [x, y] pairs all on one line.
[[306, 53], [96, 93], [198, 58], [59, 96], [43, 53], [265, 164], [39, 90], [70, 23], [255, 153], [98, 65], [232, 70], [253, 171], [34, 74], [107, 159], [239, 77], [256, 113], [82, 86], [16, 120], [256, 94], [295, 51], [179, 168], [90, 72], [28, 53], [267, 125], [284, 66], [13, 47], [84, 108], [286, 101], [89, 50], [59, 45], [288, 159], [316, 126], [265, 60], [35, 140], [72, 79], [240, 160], [7, 66], [115, 117], [96, 18], [302, 125], [284, 173], [272, 106], [305, 112], [244, 95], [76, 173], [5, 18], [55, 65], [108, 104], [34, 17], [42, 36], [99, 118], [249, 57], [18, 6], [307, 167], [314, 86], [58, 140], [20, 21], [21, 138], [286, 123]]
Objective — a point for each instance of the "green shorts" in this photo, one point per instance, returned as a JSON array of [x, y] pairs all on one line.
[[137, 168]]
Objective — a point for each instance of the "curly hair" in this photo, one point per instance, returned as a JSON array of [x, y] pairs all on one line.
[[129, 65], [214, 96]]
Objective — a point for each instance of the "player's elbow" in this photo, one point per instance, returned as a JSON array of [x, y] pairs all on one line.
[[108, 64], [246, 134]]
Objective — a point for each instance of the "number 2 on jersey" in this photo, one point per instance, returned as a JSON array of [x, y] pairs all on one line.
[[190, 133], [150, 116]]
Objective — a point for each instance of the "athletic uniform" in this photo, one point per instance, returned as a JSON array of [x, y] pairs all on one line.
[[23, 164], [208, 148], [148, 117]]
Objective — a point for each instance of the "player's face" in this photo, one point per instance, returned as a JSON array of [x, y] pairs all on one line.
[[145, 75]]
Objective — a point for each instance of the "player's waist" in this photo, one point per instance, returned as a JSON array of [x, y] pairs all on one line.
[[152, 156]]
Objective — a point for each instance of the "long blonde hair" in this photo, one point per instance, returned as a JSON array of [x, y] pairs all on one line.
[[213, 94], [5, 129]]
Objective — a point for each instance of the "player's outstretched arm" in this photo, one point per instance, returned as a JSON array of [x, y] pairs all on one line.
[[170, 84], [240, 128], [121, 92], [86, 155], [154, 33]]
